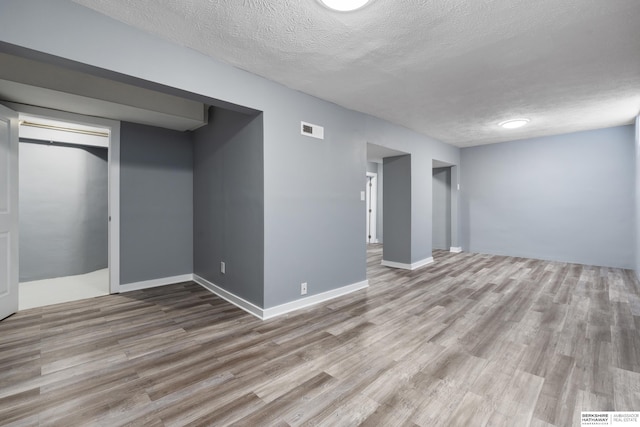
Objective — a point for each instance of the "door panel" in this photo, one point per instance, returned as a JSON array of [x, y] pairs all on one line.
[[8, 212], [5, 131]]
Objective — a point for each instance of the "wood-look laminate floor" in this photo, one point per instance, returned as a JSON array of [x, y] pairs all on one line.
[[471, 340]]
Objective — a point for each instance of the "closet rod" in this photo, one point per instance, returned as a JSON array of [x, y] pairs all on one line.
[[60, 128]]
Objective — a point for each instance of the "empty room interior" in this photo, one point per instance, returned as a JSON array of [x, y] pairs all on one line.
[[319, 212]]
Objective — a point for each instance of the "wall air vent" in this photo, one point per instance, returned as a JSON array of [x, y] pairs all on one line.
[[313, 131]]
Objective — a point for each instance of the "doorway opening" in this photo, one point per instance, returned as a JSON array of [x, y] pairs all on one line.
[[371, 196], [441, 212], [65, 192]]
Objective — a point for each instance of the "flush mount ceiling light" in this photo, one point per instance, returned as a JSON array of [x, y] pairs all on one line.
[[344, 5], [513, 123]]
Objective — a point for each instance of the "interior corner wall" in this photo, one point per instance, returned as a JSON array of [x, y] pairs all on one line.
[[63, 210], [229, 203], [441, 218], [156, 203], [397, 207], [565, 198]]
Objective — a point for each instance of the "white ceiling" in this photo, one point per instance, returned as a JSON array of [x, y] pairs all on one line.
[[450, 69]]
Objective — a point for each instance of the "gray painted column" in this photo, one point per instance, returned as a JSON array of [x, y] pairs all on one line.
[[397, 210], [455, 200]]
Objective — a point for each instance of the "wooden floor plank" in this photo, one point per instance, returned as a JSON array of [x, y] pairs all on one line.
[[471, 339]]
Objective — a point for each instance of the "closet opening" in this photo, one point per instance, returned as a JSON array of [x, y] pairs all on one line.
[[63, 192]]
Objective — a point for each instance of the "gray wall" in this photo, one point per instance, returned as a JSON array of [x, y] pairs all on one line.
[[565, 198], [313, 222], [377, 168], [314, 218], [442, 208], [156, 203], [397, 207], [423, 150], [63, 210], [455, 207], [229, 203], [637, 198]]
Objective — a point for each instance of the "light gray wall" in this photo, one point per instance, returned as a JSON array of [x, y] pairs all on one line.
[[397, 207], [313, 222], [377, 168], [229, 203], [423, 150], [63, 210], [565, 198], [314, 219], [156, 203], [442, 208]]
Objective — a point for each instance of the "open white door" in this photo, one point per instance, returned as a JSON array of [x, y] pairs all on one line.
[[8, 212]]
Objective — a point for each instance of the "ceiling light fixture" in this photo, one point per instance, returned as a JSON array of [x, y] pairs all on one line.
[[344, 5], [514, 123]]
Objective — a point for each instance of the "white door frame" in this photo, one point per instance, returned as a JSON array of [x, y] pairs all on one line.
[[114, 177], [372, 203], [9, 215]]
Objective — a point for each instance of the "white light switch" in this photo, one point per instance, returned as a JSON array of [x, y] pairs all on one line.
[[362, 197]]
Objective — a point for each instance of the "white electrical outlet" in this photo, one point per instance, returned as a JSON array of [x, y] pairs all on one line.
[[223, 267], [303, 288]]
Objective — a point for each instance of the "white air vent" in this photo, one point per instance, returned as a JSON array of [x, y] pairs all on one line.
[[313, 131]]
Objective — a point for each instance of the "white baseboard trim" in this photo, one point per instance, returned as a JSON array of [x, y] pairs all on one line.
[[313, 300], [455, 249], [247, 306], [239, 302], [146, 284], [413, 266], [281, 309]]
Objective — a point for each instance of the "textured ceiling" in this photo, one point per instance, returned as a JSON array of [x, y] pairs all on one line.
[[450, 69]]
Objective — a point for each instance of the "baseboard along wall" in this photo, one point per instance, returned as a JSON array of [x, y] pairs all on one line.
[[249, 307], [413, 266]]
